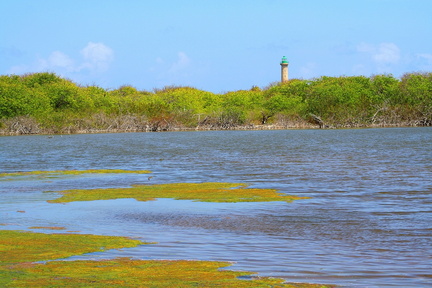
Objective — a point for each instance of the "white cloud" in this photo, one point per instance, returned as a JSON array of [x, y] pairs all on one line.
[[384, 56], [159, 60], [19, 69], [55, 61], [182, 63], [97, 56], [58, 59], [425, 57], [423, 61], [387, 53], [172, 72], [381, 54]]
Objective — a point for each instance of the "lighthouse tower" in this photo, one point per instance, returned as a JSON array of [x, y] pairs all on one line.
[[284, 69]]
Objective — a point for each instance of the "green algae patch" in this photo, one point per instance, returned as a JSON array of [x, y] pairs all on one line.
[[55, 173], [124, 272], [204, 192], [20, 246]]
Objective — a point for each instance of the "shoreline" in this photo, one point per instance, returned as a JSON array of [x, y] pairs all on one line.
[[149, 129]]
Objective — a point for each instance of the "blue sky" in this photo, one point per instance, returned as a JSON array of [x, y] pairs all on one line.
[[216, 46]]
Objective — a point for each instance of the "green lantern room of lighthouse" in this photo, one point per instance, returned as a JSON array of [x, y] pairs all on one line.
[[284, 60]]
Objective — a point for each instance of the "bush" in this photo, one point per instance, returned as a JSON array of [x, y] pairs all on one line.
[[339, 101], [18, 100]]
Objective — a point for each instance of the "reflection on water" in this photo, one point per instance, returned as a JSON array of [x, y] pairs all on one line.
[[366, 225]]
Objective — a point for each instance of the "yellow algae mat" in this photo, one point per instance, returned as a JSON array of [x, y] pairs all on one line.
[[20, 250], [29, 259], [70, 172], [204, 192], [20, 246]]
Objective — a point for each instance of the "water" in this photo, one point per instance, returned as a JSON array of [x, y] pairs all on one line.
[[367, 224]]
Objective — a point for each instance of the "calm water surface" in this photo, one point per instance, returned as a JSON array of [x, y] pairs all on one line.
[[367, 224]]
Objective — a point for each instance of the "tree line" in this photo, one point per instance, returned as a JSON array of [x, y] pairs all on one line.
[[47, 103]]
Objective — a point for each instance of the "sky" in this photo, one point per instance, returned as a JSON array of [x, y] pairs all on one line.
[[217, 46]]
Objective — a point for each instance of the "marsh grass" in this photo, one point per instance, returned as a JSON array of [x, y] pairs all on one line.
[[203, 192]]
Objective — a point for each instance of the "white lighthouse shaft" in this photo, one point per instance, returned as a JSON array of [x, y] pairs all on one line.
[[284, 69]]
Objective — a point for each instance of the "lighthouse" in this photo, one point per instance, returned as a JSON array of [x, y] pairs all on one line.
[[284, 69]]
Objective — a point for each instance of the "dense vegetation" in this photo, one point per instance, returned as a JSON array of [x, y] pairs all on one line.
[[47, 103]]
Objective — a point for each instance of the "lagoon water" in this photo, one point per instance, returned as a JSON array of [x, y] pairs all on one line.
[[368, 222]]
